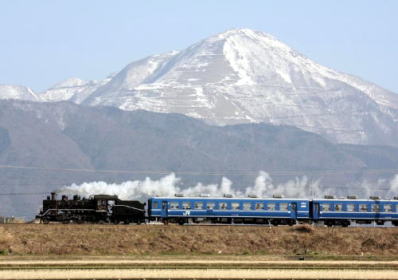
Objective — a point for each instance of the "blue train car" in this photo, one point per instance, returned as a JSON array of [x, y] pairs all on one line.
[[228, 210], [362, 211]]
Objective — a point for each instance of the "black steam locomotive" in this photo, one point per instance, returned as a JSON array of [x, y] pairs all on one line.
[[96, 209]]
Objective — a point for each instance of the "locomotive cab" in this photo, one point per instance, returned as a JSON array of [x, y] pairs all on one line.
[[103, 202]]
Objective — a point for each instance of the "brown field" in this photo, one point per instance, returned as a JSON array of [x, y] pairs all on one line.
[[198, 274], [158, 240]]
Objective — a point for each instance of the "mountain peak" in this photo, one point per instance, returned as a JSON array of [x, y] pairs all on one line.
[[245, 35], [242, 32], [72, 89], [240, 76], [17, 92], [71, 82], [252, 56]]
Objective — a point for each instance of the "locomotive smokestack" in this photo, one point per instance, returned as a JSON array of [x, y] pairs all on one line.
[[53, 196]]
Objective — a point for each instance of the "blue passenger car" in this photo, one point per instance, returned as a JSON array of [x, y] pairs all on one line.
[[364, 211], [228, 210]]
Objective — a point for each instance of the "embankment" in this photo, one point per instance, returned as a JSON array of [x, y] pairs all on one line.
[[156, 240]]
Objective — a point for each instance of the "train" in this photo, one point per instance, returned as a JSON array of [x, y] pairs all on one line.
[[253, 210], [95, 209]]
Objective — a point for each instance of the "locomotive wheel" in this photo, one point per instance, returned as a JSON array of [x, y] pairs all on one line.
[[275, 223], [291, 222], [45, 221], [329, 223], [345, 223]]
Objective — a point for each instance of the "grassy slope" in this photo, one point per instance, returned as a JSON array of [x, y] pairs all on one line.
[[96, 240]]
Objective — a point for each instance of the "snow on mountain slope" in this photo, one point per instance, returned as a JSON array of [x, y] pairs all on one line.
[[131, 76], [17, 92], [244, 76], [73, 89]]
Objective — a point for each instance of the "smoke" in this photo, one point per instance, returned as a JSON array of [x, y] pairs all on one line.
[[298, 187], [393, 191], [384, 188], [263, 186], [165, 186], [170, 185]]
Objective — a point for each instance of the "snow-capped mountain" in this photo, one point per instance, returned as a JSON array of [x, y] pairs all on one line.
[[73, 89], [17, 92], [242, 76], [247, 76]]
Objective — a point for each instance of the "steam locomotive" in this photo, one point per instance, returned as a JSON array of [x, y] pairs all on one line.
[[96, 209], [277, 210]]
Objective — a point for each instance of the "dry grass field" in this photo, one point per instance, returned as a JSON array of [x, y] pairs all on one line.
[[160, 240], [198, 274]]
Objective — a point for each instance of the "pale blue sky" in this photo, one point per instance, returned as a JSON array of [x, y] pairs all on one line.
[[44, 42]]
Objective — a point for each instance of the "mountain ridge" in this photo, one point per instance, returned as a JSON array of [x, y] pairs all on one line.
[[52, 145], [246, 76]]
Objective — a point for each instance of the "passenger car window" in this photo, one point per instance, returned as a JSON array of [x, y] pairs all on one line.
[[235, 205], [351, 207], [223, 205], [211, 205], [271, 206], [363, 208], [247, 206], [259, 206], [186, 205], [155, 204], [198, 205], [283, 206], [338, 207], [173, 205], [387, 208], [375, 208], [325, 207]]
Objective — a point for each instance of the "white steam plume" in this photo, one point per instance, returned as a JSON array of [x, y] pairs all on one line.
[[382, 187], [393, 191], [298, 187], [170, 185]]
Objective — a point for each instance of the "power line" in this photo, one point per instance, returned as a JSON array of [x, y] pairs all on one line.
[[387, 188], [23, 193], [210, 173], [321, 128], [271, 120]]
